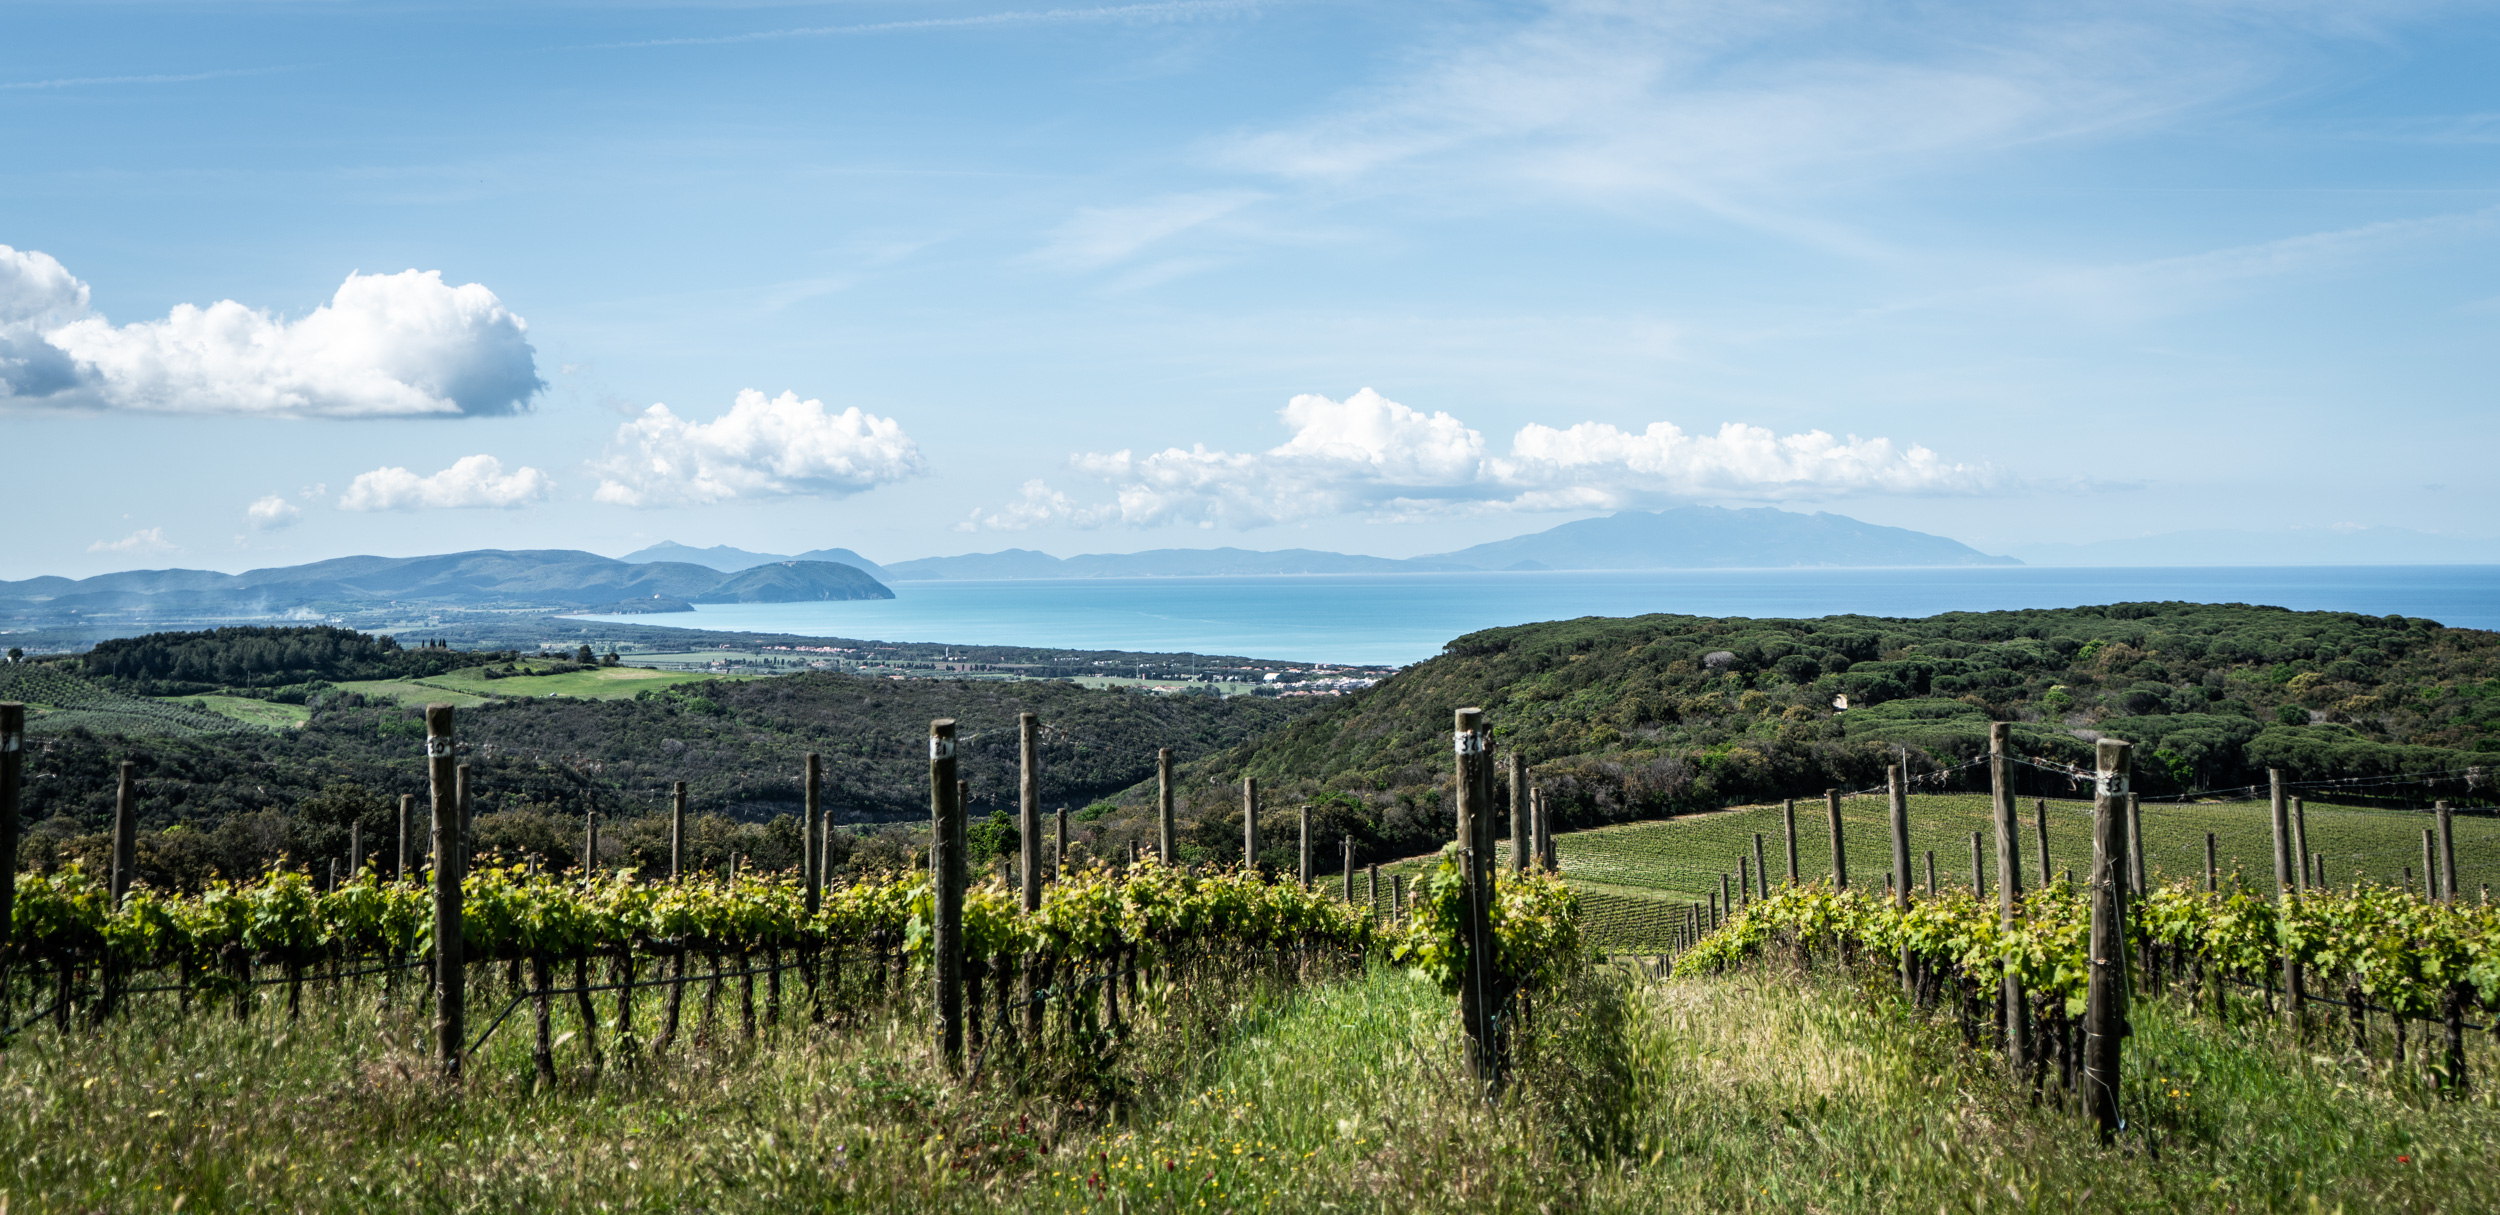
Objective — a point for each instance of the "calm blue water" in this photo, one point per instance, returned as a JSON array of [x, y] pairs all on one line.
[[1402, 618]]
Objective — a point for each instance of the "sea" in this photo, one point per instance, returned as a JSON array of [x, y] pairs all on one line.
[[1395, 619]]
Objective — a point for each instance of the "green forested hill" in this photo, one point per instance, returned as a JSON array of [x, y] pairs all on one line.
[[1632, 717], [246, 797]]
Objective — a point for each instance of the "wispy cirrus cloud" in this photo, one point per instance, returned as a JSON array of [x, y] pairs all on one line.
[[1163, 10], [1368, 456]]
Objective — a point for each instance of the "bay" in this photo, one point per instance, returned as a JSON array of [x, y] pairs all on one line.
[[1405, 618]]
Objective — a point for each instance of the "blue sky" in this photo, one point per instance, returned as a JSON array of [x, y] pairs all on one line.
[[920, 278]]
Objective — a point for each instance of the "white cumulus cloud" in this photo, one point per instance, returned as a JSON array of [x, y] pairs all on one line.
[[763, 447], [145, 540], [470, 481], [1371, 456], [272, 512], [385, 345]]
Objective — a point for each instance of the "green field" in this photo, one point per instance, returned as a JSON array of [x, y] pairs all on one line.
[[469, 686], [246, 709]]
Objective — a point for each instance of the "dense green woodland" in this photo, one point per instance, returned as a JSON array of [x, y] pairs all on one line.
[[242, 798], [252, 659], [1629, 718], [1621, 718]]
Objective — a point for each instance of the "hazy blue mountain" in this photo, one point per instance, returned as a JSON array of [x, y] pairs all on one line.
[[720, 556], [554, 579], [1152, 563], [2299, 546], [796, 582], [1711, 537], [844, 556], [1693, 537], [731, 560]]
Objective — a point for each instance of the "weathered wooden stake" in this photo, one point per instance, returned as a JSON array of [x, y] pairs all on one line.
[[2300, 838], [2286, 887], [1163, 803], [1931, 873], [677, 832], [1518, 812], [1250, 823], [1744, 879], [1059, 846], [1475, 837], [12, 778], [407, 845], [451, 973], [2137, 878], [946, 875], [1349, 869], [1029, 808], [1788, 824], [125, 831], [2105, 1010], [1898, 794], [2430, 867], [2040, 811], [1840, 847], [355, 849], [590, 842], [2213, 866], [812, 832], [1761, 868], [2447, 852], [2014, 1006]]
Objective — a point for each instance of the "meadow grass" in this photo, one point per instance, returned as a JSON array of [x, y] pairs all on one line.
[[1759, 1090]]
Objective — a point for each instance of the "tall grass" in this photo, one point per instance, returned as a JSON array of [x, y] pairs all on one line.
[[1762, 1090]]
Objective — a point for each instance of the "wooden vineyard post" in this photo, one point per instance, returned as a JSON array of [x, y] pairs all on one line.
[[2430, 871], [1761, 869], [1840, 847], [1518, 812], [12, 778], [677, 833], [1349, 869], [407, 820], [1727, 897], [1788, 832], [2285, 891], [2040, 815], [1744, 879], [1058, 846], [1475, 836], [1536, 828], [2213, 869], [1899, 797], [1163, 803], [2282, 831], [590, 842], [812, 832], [1250, 823], [1029, 808], [1931, 873], [2447, 850], [1303, 820], [1978, 868], [2015, 1007], [2300, 841], [125, 831], [946, 878], [2136, 877], [451, 991], [2105, 1008]]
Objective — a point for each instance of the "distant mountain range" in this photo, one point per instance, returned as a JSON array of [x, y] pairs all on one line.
[[1692, 537], [731, 560], [2296, 546], [544, 579]]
